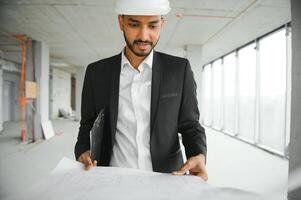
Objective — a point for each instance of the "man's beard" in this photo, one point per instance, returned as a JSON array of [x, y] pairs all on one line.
[[139, 54]]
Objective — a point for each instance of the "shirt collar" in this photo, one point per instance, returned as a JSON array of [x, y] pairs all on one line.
[[148, 60]]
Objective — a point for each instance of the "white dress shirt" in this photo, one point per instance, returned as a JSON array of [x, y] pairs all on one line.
[[132, 140]]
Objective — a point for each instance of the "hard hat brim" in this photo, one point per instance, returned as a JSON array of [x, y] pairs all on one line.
[[142, 8], [146, 13]]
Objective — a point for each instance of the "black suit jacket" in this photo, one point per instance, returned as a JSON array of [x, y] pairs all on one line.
[[173, 110]]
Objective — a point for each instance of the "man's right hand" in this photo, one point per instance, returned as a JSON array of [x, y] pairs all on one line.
[[85, 158]]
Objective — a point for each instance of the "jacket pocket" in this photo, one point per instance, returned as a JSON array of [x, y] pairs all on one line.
[[169, 95]]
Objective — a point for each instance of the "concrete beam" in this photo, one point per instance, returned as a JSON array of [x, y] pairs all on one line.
[[1, 88]]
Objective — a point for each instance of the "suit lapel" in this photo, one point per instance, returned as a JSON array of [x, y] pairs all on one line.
[[114, 95], [155, 91]]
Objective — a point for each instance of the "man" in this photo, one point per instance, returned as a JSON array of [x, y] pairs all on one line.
[[149, 97]]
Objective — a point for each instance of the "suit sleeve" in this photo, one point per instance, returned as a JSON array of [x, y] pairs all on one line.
[[88, 115], [193, 134]]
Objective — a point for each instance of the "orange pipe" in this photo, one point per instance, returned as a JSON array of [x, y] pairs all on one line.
[[22, 98]]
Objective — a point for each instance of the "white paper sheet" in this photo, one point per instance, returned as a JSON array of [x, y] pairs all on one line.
[[47, 129], [65, 165], [69, 181]]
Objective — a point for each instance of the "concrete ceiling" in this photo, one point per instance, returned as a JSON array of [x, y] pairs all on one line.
[[82, 31]]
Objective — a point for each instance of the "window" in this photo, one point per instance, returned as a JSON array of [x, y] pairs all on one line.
[[217, 93], [229, 67], [272, 79], [246, 91]]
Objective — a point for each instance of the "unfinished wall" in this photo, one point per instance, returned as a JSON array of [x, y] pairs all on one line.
[[61, 91], [14, 78], [10, 72]]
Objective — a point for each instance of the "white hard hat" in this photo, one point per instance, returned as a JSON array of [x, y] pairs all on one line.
[[142, 7]]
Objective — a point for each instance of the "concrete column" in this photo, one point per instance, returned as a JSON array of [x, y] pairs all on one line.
[[79, 76], [29, 76], [1, 88], [194, 55], [295, 137], [41, 59]]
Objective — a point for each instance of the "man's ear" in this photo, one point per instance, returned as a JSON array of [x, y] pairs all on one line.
[[121, 21]]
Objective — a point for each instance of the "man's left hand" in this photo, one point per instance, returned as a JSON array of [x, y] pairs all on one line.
[[195, 165]]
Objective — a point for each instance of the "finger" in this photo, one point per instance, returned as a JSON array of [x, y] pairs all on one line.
[[88, 160], [186, 167], [94, 163], [83, 156], [193, 173], [203, 176], [88, 167], [88, 163], [80, 159]]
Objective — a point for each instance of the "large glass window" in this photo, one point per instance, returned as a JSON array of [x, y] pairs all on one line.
[[272, 90], [229, 67], [217, 94], [206, 105], [246, 91]]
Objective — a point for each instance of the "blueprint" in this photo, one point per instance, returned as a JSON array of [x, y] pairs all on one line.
[[69, 181]]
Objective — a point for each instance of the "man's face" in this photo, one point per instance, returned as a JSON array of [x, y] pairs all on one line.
[[141, 33]]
